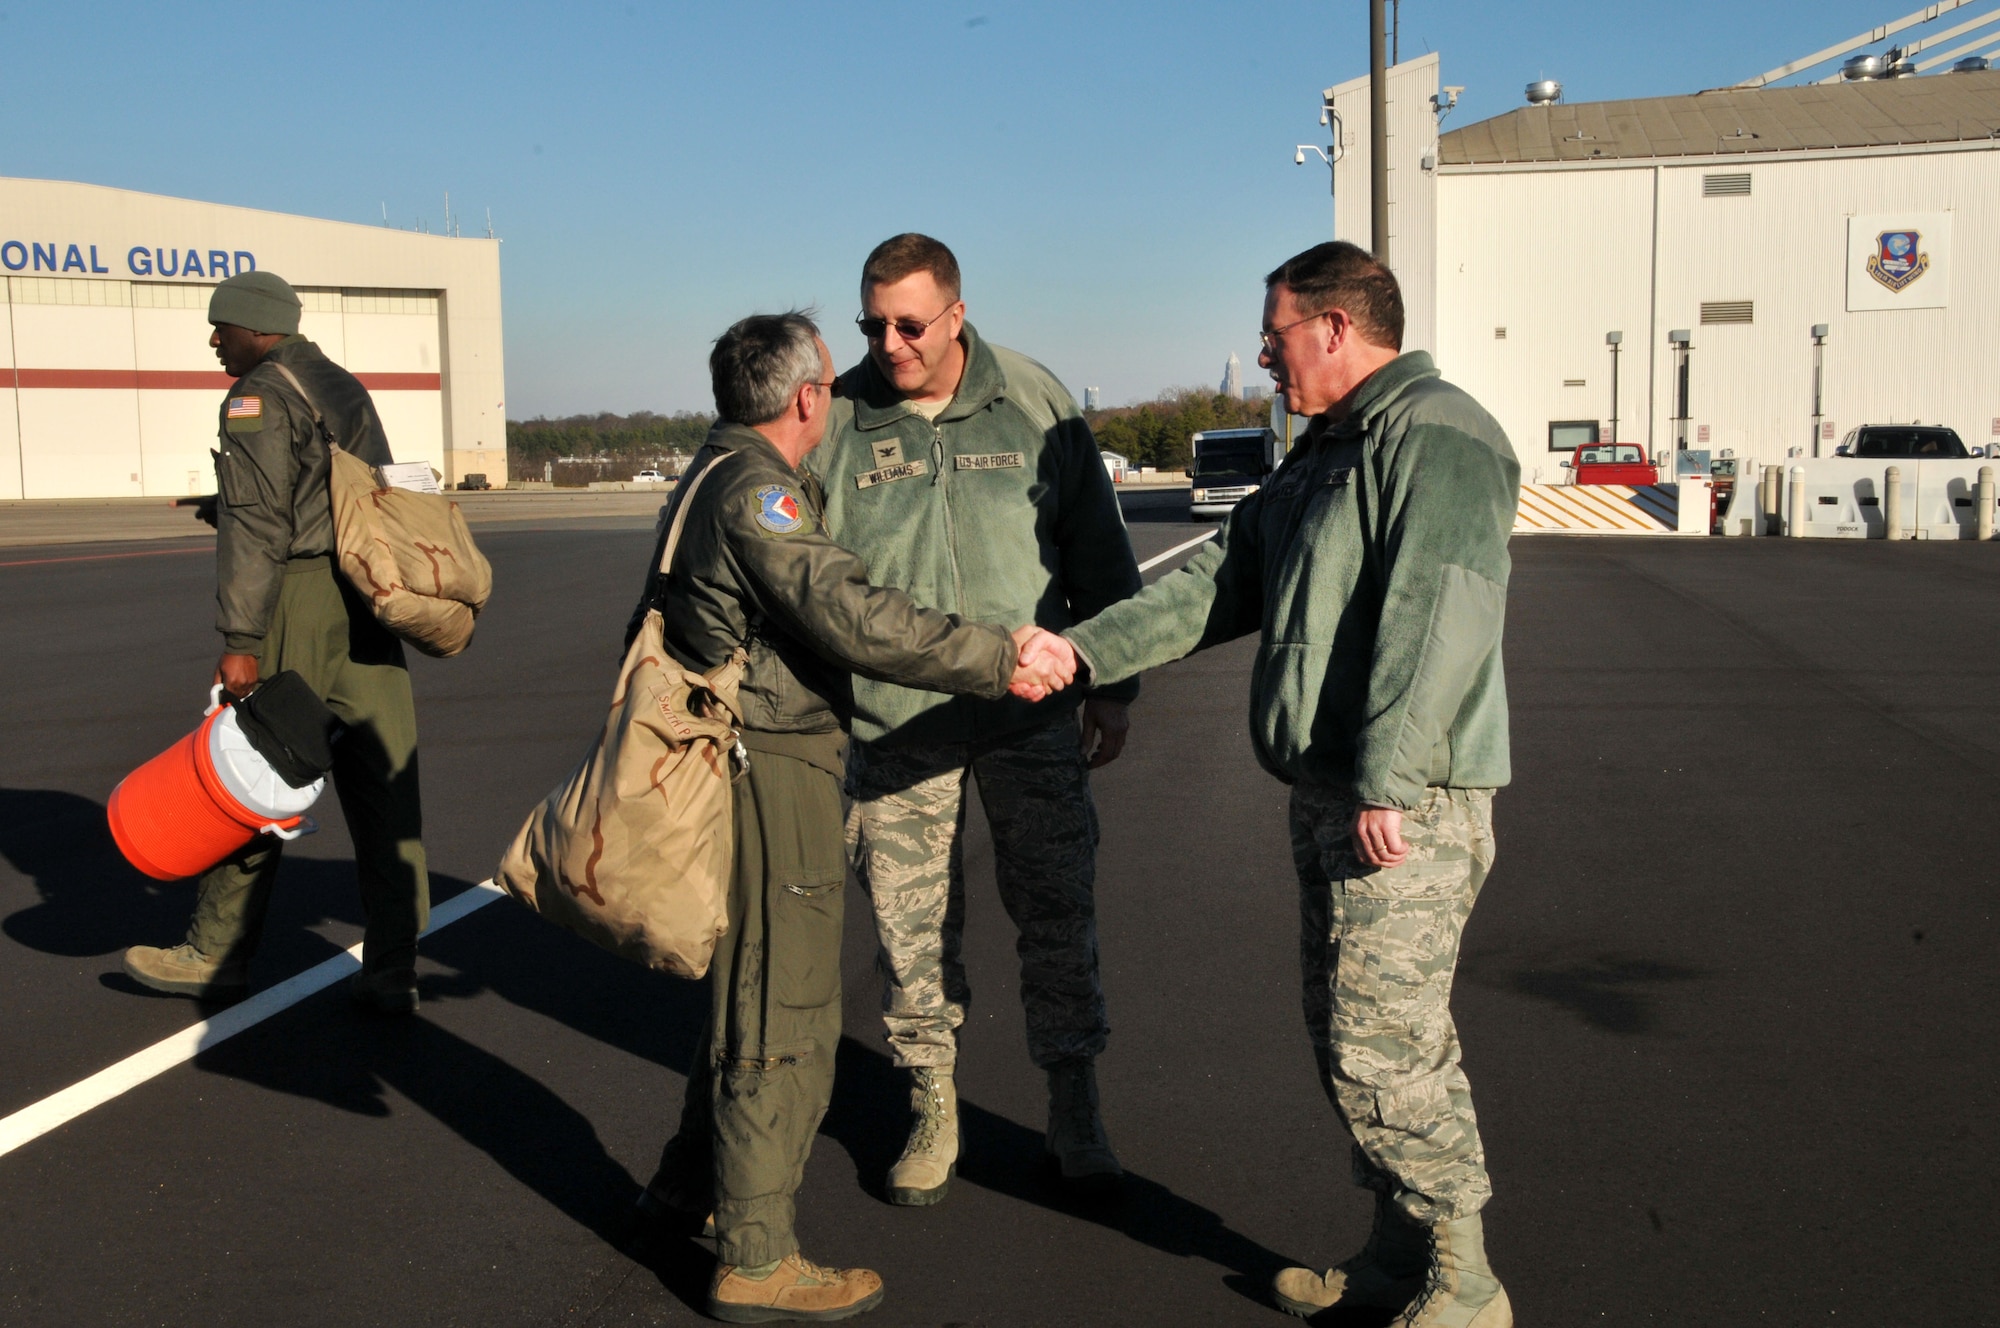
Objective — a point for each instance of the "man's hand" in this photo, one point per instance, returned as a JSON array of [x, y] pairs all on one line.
[[1378, 837], [237, 674], [1046, 663], [1105, 724]]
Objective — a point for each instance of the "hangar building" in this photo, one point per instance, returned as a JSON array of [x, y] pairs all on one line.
[[1741, 218], [108, 387]]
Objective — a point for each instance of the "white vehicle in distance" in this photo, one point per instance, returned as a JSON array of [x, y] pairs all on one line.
[[1229, 466], [649, 477]]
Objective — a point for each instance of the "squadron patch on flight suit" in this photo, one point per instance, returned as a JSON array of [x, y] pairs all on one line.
[[779, 510]]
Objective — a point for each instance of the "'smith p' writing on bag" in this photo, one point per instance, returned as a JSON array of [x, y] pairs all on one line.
[[634, 849], [409, 553]]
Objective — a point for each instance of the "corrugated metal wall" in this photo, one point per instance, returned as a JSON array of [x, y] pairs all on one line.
[[1560, 256]]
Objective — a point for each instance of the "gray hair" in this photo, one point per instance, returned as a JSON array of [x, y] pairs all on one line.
[[760, 364]]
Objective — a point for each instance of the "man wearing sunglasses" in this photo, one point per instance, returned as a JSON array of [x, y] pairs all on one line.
[[963, 474], [1373, 567]]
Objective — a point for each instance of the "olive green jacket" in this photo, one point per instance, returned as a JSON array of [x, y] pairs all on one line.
[[1374, 564], [1001, 510], [271, 475], [755, 568]]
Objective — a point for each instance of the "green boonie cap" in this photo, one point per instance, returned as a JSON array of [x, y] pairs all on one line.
[[260, 301]]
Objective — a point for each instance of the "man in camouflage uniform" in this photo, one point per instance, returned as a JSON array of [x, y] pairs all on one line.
[[283, 606], [963, 473], [755, 570], [1374, 566]]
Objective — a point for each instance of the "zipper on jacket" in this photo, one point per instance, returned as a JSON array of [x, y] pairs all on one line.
[[950, 530]]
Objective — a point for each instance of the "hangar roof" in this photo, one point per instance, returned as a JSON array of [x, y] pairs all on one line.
[[1943, 108]]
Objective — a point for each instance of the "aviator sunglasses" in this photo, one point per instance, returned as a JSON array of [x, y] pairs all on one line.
[[909, 329]]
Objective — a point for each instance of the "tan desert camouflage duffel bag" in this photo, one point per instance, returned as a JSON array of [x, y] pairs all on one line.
[[633, 851], [408, 553]]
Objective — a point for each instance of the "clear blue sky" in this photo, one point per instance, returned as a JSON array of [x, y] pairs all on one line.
[[1115, 177]]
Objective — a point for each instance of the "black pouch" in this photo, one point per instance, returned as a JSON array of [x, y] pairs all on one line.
[[290, 727]]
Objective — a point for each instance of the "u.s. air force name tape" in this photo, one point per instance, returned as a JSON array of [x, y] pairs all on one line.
[[991, 461]]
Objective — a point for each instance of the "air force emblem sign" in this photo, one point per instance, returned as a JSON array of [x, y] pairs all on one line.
[[1897, 261], [778, 510]]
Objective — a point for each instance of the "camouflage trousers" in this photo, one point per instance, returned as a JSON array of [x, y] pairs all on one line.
[[1377, 950], [905, 840]]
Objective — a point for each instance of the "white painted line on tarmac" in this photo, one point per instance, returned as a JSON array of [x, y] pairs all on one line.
[[32, 1122], [1151, 563]]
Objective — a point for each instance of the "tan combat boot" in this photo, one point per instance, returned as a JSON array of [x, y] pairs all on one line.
[[923, 1173], [1076, 1138], [796, 1288], [186, 971], [1460, 1290], [1386, 1275]]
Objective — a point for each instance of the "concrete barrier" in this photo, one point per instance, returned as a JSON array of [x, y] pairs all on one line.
[[1599, 509], [1845, 498]]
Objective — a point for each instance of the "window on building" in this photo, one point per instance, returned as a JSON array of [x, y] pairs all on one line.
[[361, 301], [69, 290], [1568, 435]]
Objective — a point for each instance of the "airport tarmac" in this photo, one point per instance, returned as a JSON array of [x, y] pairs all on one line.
[[1730, 1001]]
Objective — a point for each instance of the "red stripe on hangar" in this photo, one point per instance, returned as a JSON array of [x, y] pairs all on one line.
[[189, 380]]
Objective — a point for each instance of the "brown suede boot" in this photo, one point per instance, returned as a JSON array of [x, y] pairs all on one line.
[[1460, 1290], [796, 1288], [923, 1173], [186, 971], [1386, 1275]]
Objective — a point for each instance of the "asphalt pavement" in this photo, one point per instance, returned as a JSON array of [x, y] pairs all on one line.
[[1728, 1000]]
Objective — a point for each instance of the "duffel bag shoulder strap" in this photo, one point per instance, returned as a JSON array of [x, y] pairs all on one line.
[[683, 499], [319, 420]]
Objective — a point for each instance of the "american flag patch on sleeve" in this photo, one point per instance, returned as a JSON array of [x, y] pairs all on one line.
[[245, 408]]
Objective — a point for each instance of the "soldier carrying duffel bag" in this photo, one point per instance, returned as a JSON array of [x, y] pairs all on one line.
[[282, 607], [749, 625]]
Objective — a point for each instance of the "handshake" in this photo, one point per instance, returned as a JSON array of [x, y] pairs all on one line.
[[1046, 663]]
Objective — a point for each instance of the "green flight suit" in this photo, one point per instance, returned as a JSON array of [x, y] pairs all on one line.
[[756, 569], [281, 600]]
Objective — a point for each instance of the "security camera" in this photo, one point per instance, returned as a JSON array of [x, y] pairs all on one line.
[[1299, 157]]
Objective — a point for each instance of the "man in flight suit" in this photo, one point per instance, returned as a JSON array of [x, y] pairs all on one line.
[[282, 606], [755, 569]]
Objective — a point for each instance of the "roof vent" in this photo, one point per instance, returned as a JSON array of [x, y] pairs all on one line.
[[1543, 91], [1861, 67], [1903, 68], [1971, 64]]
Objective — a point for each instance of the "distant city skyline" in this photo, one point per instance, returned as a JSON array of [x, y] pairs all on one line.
[[1115, 178]]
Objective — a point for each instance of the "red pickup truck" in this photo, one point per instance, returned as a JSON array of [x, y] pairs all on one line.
[[1613, 463]]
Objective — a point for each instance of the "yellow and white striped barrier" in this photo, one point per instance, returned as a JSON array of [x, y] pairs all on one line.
[[1597, 509]]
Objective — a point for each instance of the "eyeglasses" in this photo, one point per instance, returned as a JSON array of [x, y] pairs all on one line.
[[1270, 339], [909, 329]]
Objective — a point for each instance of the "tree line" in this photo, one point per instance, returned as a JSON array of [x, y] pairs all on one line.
[[1147, 433], [1156, 432]]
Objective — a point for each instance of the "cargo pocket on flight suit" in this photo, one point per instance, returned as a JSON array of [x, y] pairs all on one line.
[[806, 858]]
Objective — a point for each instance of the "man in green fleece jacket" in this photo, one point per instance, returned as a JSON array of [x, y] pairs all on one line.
[[1374, 567], [964, 475]]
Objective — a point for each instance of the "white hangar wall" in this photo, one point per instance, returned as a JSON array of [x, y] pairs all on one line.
[[108, 387], [1559, 255]]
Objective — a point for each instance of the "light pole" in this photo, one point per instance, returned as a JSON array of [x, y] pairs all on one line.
[[1613, 339], [1330, 154], [1378, 134], [1682, 344], [1819, 331]]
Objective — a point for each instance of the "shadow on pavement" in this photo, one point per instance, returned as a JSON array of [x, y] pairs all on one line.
[[1008, 1158], [92, 900], [1607, 992]]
